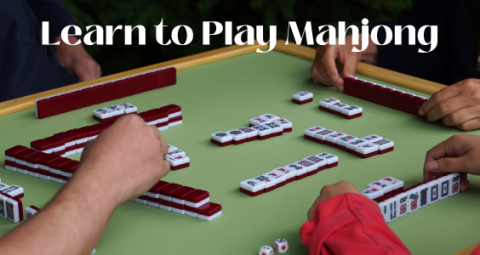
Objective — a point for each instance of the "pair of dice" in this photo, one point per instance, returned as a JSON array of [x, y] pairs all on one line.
[[280, 246]]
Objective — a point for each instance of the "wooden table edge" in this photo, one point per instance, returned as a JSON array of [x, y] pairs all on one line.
[[27, 102], [372, 71], [467, 251]]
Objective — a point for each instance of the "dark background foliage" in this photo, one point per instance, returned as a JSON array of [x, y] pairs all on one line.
[[119, 57]]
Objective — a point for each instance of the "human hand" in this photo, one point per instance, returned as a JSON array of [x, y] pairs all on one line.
[[76, 60], [457, 105], [330, 191], [459, 153], [127, 159], [329, 59]]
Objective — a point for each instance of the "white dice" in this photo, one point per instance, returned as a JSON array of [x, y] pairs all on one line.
[[280, 245], [266, 250]]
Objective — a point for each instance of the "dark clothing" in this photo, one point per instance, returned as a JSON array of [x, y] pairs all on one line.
[[27, 66], [454, 59]]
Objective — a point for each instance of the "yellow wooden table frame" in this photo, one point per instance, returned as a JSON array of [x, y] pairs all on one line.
[[407, 81]]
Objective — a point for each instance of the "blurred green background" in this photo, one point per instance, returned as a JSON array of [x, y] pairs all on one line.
[[148, 13]]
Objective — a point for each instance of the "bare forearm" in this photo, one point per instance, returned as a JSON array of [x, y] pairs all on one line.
[[72, 223]]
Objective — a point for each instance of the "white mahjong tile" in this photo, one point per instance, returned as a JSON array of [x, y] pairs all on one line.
[[12, 210], [311, 131], [326, 102], [237, 134], [337, 106], [366, 148], [372, 138], [433, 191], [353, 145], [330, 158], [412, 200], [319, 162], [351, 110], [393, 211], [384, 144], [402, 204], [262, 130], [283, 122], [115, 110], [259, 121], [103, 113], [128, 108], [279, 177], [175, 153], [252, 185], [322, 134], [3, 206], [302, 95], [221, 137], [289, 172], [307, 164], [372, 193], [444, 187], [178, 160], [383, 185], [454, 183], [385, 210], [171, 147], [269, 182], [274, 127], [269, 116], [396, 182], [250, 132], [12, 190], [334, 137], [423, 192], [298, 169], [343, 141]]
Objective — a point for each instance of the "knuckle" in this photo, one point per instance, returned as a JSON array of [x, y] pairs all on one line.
[[443, 108], [326, 189], [446, 164], [475, 96], [455, 118], [324, 58]]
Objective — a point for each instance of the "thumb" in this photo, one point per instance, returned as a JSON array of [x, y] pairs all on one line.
[[446, 165]]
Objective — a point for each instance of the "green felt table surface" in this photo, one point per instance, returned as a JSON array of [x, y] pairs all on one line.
[[224, 95]]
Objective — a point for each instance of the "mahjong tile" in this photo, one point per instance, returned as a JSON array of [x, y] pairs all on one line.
[[302, 95], [326, 102]]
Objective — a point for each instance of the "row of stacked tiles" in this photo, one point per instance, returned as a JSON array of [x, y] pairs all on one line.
[[100, 93], [182, 200], [383, 95], [289, 173], [72, 141], [365, 147], [58, 169], [398, 202]]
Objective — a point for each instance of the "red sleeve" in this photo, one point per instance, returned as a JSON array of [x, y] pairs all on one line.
[[350, 224], [477, 251]]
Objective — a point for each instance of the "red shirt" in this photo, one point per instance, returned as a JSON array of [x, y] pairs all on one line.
[[351, 224]]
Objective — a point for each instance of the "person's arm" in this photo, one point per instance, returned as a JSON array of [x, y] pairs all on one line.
[[458, 154], [343, 221], [73, 57], [122, 163]]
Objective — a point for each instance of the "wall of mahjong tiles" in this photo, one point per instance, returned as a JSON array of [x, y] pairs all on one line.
[[224, 95]]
